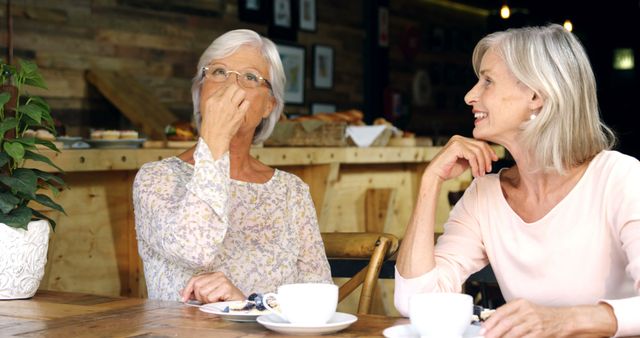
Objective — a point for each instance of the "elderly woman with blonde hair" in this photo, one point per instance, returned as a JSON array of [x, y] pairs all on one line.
[[560, 228], [214, 223]]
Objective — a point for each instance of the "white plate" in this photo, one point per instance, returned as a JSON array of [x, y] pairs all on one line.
[[124, 143], [234, 316], [69, 142], [407, 331], [338, 322]]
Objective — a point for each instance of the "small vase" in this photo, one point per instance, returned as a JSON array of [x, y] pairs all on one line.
[[23, 256]]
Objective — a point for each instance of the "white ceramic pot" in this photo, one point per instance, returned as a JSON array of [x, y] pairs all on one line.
[[23, 255]]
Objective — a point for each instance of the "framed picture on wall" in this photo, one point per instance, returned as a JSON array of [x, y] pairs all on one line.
[[282, 13], [283, 23], [293, 63], [323, 67], [383, 27], [318, 107], [253, 10], [308, 15]]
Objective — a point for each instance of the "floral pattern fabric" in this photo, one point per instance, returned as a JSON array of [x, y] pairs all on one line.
[[192, 219]]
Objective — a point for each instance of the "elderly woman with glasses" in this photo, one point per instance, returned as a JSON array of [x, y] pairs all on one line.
[[213, 223]]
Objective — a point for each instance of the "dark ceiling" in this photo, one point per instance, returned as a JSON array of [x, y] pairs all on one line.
[[610, 16]]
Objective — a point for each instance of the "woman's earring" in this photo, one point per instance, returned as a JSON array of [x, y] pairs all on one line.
[[532, 117]]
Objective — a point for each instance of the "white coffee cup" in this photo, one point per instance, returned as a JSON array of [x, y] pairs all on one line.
[[305, 303], [443, 315]]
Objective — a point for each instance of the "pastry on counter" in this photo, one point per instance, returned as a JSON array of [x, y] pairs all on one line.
[[110, 134], [114, 135], [129, 135], [41, 134]]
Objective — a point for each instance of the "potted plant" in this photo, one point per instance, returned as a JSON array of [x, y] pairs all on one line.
[[24, 231]]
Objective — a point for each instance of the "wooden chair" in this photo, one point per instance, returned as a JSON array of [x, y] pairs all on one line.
[[376, 247]]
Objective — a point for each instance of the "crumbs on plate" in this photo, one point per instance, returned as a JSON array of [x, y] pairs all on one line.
[[253, 305]]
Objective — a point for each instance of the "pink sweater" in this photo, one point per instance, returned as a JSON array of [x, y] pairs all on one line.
[[585, 250]]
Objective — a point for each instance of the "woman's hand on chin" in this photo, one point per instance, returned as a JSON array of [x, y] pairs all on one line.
[[210, 288], [459, 154]]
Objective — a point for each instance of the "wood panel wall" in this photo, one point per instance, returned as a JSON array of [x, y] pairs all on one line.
[[159, 43]]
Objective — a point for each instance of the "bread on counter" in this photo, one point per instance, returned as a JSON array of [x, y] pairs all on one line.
[[352, 116], [180, 131]]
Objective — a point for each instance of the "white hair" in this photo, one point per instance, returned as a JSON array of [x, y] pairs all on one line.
[[226, 45], [551, 61]]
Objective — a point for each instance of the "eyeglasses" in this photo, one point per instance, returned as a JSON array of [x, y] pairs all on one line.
[[246, 80]]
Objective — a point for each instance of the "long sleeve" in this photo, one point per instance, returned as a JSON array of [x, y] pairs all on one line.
[[624, 203], [312, 263], [186, 226], [459, 252]]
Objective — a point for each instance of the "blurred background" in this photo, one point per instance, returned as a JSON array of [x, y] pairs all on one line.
[[405, 60]]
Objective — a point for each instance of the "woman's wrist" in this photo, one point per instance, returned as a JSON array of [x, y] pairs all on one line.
[[430, 179], [218, 145], [593, 320]]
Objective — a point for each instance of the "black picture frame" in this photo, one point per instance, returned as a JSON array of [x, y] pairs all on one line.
[[308, 15], [283, 20], [293, 63], [323, 66], [256, 11]]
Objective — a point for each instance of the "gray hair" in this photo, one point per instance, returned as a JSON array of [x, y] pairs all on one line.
[[551, 61], [226, 45]]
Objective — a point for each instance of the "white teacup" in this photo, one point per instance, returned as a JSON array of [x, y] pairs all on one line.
[[305, 303], [443, 315]]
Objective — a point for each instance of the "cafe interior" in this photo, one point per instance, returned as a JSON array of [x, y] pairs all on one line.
[[374, 89]]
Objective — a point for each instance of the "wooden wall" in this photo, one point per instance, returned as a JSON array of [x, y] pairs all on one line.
[[159, 43]]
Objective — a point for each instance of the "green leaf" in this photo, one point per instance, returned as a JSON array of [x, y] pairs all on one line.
[[48, 202], [4, 98], [40, 215], [47, 144], [54, 190], [25, 141], [17, 218], [29, 71], [4, 159], [32, 110], [27, 67], [30, 155], [49, 177], [7, 70], [8, 202], [40, 102], [14, 149], [28, 121], [22, 180], [7, 124]]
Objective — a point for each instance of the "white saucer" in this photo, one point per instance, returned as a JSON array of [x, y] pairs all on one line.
[[234, 316], [338, 322], [407, 331]]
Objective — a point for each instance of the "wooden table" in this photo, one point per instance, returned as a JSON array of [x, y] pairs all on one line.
[[63, 314]]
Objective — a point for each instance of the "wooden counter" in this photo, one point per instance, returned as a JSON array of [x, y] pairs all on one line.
[[94, 248]]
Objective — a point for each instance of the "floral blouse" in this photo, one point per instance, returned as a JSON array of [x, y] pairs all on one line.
[[192, 219]]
